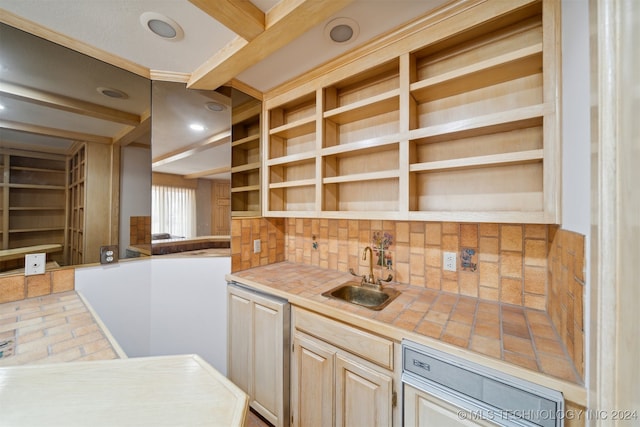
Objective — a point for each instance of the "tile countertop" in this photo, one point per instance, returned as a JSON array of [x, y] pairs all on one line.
[[516, 340], [59, 327]]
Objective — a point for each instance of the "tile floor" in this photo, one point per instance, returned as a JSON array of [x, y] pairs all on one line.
[[254, 420]]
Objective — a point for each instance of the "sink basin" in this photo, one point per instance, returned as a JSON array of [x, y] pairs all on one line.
[[370, 298]]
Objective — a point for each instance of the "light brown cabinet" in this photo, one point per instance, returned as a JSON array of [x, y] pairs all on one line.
[[455, 119], [331, 385], [257, 341]]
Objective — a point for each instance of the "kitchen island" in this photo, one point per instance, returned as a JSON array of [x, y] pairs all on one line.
[[97, 384], [149, 391]]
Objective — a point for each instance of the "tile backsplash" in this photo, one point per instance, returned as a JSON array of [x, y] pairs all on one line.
[[495, 262], [19, 287]]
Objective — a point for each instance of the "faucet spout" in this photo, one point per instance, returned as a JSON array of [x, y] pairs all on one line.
[[371, 278]]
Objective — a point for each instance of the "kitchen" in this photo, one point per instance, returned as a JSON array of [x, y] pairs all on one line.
[[510, 255]]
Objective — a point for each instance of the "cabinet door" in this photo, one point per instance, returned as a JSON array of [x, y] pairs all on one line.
[[363, 396], [424, 410], [267, 380], [239, 339], [312, 394]]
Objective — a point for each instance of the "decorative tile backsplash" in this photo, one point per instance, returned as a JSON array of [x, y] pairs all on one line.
[[496, 262], [19, 287]]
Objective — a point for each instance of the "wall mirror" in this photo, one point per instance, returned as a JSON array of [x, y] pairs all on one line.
[[74, 152], [192, 135], [191, 164]]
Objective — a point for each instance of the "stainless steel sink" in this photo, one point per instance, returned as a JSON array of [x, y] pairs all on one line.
[[370, 298]]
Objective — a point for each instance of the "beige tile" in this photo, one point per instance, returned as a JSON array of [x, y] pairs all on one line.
[[489, 249], [535, 253], [402, 232], [511, 264], [450, 243], [511, 238], [489, 274], [538, 302], [433, 233], [38, 285], [520, 360], [429, 328], [433, 256], [63, 280], [469, 235], [416, 242], [535, 231], [455, 340], [433, 277], [518, 345], [490, 294], [12, 288], [558, 367], [468, 283], [487, 330], [489, 230], [511, 291], [450, 228], [462, 330], [486, 345]]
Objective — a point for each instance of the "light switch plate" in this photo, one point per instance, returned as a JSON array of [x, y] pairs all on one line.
[[257, 247], [34, 264]]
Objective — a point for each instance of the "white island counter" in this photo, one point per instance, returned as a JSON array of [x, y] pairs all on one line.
[[152, 391]]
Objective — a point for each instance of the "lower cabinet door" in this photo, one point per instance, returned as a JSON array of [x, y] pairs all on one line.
[[363, 396], [311, 384], [425, 410]]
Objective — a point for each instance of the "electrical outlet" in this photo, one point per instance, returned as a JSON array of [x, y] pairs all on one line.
[[34, 264], [449, 261], [108, 254], [257, 246]]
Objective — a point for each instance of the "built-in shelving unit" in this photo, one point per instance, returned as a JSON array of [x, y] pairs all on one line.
[[245, 160], [77, 175], [455, 120], [33, 200]]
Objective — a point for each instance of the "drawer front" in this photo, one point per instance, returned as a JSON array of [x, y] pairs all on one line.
[[363, 344]]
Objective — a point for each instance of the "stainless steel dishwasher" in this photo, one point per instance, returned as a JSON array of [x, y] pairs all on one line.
[[440, 389]]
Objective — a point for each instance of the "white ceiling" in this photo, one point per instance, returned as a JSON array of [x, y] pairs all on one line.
[[112, 30]]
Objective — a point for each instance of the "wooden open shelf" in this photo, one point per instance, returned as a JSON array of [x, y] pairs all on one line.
[[246, 163], [34, 198], [455, 121]]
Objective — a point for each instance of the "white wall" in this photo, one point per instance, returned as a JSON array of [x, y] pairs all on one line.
[[576, 136], [135, 189], [120, 295], [576, 139], [163, 305], [189, 307]]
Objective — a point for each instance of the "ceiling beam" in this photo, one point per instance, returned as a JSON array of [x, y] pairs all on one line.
[[65, 103], [190, 150], [140, 134], [284, 23], [240, 16], [58, 133], [208, 172]]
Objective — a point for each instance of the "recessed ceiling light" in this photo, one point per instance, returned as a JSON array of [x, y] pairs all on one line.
[[341, 30], [215, 106], [161, 26], [197, 127], [112, 93]]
